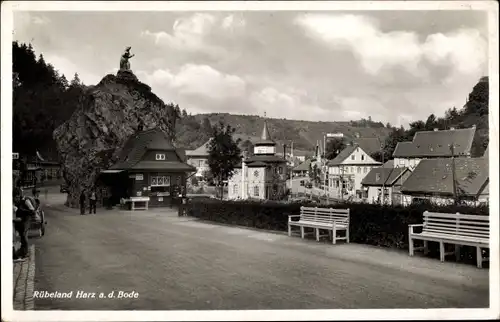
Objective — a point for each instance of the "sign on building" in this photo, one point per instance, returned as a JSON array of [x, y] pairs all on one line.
[[335, 135], [139, 177]]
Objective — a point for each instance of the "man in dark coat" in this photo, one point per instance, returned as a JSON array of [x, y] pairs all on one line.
[[82, 202], [24, 214]]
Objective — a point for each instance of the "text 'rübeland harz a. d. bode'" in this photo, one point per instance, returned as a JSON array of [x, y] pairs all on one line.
[[79, 294]]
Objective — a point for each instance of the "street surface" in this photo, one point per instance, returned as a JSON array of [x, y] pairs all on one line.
[[174, 263]]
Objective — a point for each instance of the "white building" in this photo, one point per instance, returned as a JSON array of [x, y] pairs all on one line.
[[383, 185], [261, 176], [347, 170], [198, 158]]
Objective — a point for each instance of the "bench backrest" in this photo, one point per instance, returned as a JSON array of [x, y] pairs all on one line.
[[135, 199], [457, 224], [324, 215]]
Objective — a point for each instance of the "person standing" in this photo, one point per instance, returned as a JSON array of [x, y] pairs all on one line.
[[82, 202], [24, 214], [93, 201]]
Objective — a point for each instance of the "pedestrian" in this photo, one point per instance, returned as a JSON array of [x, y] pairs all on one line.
[[24, 214], [82, 202], [93, 201]]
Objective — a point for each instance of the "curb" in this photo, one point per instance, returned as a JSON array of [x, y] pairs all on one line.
[[24, 282], [262, 230]]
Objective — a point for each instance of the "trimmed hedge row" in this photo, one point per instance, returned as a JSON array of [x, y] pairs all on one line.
[[379, 225]]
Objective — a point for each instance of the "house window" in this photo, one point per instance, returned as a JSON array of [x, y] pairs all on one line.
[[365, 169], [200, 163], [256, 191], [160, 156], [401, 161], [160, 181], [362, 157], [235, 189], [359, 169], [256, 173], [353, 157], [280, 170]]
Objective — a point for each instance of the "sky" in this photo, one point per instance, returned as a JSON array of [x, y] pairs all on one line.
[[394, 66]]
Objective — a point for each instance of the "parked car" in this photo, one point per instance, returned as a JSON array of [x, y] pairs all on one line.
[[64, 188]]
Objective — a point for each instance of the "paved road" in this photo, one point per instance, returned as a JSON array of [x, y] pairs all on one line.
[[181, 264]]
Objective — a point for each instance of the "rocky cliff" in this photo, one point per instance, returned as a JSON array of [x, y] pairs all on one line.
[[106, 116]]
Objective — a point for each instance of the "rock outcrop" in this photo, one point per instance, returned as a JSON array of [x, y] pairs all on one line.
[[106, 116]]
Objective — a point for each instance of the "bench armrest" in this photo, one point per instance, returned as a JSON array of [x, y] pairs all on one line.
[[292, 216], [410, 227]]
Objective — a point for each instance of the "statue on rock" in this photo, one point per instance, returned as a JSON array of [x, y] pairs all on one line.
[[124, 61]]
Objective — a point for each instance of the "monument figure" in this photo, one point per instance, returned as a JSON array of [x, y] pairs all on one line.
[[124, 61]]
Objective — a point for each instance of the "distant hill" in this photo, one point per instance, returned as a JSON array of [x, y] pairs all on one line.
[[304, 134]]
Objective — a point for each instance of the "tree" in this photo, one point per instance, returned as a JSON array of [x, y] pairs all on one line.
[[247, 147], [184, 113], [206, 126], [76, 82], [223, 154], [431, 122], [334, 147]]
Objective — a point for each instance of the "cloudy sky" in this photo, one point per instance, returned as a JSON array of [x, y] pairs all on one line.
[[395, 66]]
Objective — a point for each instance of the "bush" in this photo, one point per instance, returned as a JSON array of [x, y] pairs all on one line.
[[380, 225]]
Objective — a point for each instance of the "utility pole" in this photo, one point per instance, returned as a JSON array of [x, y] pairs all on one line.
[[452, 150]]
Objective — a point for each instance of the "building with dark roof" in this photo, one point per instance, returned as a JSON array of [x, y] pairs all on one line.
[[262, 175], [347, 170], [302, 169], [148, 166], [433, 180], [384, 179], [434, 144]]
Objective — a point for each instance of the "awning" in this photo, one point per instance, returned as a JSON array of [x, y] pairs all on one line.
[[111, 171]]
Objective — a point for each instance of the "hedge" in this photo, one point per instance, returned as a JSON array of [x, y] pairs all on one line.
[[380, 225]]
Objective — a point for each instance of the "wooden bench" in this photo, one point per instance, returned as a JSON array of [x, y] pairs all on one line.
[[457, 229], [135, 200], [332, 220]]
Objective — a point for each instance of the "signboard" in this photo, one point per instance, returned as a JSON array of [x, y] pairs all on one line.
[[139, 177], [335, 135], [15, 155]]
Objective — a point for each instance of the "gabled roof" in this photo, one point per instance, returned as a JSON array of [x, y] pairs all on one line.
[[304, 166], [344, 154], [136, 146], [386, 176], [436, 144], [434, 176], [369, 145], [388, 164], [201, 151]]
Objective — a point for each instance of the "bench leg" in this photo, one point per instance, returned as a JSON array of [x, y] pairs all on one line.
[[457, 252], [334, 235], [426, 247], [347, 235], [302, 232], [479, 256], [410, 247], [441, 251], [289, 231], [317, 234]]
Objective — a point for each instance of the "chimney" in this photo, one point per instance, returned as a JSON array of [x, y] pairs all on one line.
[[436, 129]]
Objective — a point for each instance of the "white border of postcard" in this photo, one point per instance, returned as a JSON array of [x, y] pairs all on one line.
[[269, 315]]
